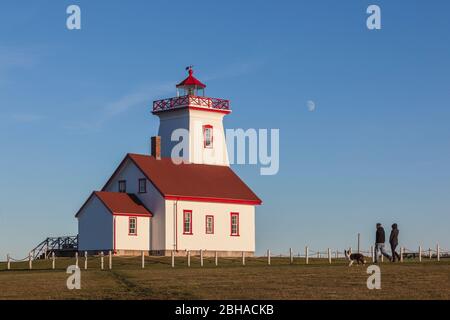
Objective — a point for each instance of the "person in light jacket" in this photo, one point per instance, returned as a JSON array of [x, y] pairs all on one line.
[[393, 241]]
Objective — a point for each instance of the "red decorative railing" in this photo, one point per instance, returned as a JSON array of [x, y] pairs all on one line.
[[193, 101]]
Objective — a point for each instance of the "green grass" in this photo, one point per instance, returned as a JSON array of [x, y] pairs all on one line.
[[230, 280]]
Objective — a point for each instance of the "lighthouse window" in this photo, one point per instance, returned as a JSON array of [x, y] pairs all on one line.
[[132, 226], [235, 224], [208, 136], [209, 224], [187, 222], [122, 186]]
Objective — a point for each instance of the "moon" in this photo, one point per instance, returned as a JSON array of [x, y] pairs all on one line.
[[311, 105]]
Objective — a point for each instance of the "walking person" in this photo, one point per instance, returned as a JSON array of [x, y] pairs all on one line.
[[379, 243], [393, 241]]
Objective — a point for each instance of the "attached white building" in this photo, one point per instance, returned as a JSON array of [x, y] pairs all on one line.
[[192, 201]]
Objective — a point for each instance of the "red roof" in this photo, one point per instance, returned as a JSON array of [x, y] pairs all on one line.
[[120, 203], [191, 81], [194, 182]]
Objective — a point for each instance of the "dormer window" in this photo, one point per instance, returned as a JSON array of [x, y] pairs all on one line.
[[208, 136], [142, 185], [123, 186]]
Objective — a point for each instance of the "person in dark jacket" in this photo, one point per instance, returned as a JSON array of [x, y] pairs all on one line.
[[379, 243], [393, 241]]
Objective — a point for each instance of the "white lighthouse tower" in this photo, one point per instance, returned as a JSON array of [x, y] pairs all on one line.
[[199, 117]]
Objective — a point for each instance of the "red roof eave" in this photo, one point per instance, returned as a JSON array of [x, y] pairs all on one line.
[[217, 200]]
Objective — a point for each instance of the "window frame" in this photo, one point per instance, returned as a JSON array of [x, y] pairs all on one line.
[[185, 213], [212, 224], [234, 214], [135, 226], [145, 185], [205, 128], [124, 182]]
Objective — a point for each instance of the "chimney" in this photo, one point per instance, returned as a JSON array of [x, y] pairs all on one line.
[[156, 147]]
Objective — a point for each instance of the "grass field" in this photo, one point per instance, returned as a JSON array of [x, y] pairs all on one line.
[[230, 280]]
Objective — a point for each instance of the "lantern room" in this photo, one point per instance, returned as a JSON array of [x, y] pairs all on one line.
[[191, 86]]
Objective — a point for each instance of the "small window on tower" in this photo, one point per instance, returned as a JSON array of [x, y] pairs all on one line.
[[142, 185], [208, 136], [122, 186]]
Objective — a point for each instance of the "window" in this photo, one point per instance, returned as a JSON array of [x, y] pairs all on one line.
[[235, 224], [187, 222], [122, 186], [132, 226], [142, 185], [208, 136], [209, 224]]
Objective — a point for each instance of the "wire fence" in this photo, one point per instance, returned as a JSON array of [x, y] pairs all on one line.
[[104, 260]]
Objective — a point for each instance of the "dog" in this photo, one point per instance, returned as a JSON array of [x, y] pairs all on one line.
[[352, 257]]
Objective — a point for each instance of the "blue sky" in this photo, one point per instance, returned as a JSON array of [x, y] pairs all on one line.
[[377, 147]]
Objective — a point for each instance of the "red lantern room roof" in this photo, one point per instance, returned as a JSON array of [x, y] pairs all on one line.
[[191, 80]]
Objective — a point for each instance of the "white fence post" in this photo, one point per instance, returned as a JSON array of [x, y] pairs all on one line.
[[189, 258], [337, 254], [420, 253], [402, 250], [438, 252], [201, 257], [329, 255], [102, 264], [173, 259], [382, 258], [9, 262], [429, 253], [291, 257], [30, 261], [307, 254], [372, 252], [142, 259], [243, 258], [53, 260], [216, 258], [76, 258], [318, 254], [110, 259], [268, 257], [85, 260]]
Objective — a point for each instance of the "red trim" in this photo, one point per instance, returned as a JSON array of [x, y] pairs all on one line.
[[231, 224], [221, 200], [184, 222], [194, 108], [131, 215], [135, 226], [206, 224], [201, 102], [208, 126]]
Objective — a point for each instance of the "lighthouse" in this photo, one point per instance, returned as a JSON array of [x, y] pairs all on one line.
[[191, 124], [153, 204]]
